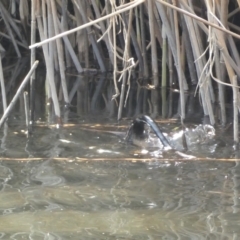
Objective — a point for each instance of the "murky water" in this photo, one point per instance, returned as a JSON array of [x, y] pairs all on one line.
[[91, 185]]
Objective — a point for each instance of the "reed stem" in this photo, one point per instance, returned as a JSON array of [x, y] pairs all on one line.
[[26, 107], [235, 110], [60, 54], [33, 59], [10, 33], [3, 90], [19, 91], [179, 65]]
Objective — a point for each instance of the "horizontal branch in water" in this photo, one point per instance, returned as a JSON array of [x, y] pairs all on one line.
[[136, 159]]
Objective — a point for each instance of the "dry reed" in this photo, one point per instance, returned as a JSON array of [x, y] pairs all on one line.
[[117, 37]]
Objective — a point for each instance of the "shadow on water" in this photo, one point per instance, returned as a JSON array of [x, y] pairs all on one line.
[[82, 181]]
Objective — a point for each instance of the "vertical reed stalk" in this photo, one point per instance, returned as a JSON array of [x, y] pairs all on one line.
[[170, 66], [189, 54], [206, 91], [60, 53], [45, 29], [115, 68], [64, 27], [171, 37], [126, 57], [103, 30], [3, 91], [26, 105], [220, 62], [155, 82], [180, 79], [13, 24], [164, 73], [44, 18], [143, 43], [71, 51], [19, 91], [81, 39], [136, 46], [79, 5], [137, 27], [9, 29], [87, 41], [153, 44], [235, 110], [221, 87], [164, 58], [52, 45], [49, 66], [33, 58], [196, 47]]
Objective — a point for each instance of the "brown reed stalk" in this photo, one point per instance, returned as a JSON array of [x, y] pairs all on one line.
[[126, 58], [196, 45], [32, 60], [64, 27], [115, 67], [219, 63], [49, 65], [170, 36], [220, 44], [17, 94], [13, 24], [179, 68], [170, 66], [80, 8], [221, 87], [143, 42], [10, 33], [24, 15], [235, 109], [15, 73], [45, 29], [50, 33], [3, 90], [164, 58], [27, 110], [81, 39], [204, 80], [17, 42], [137, 25], [154, 61], [189, 54], [124, 9], [164, 73], [44, 18], [60, 53], [70, 51], [153, 44], [136, 46], [103, 30]]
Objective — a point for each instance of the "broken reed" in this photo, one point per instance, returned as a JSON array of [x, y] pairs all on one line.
[[123, 38]]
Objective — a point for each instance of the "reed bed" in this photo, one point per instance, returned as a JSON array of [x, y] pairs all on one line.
[[143, 47]]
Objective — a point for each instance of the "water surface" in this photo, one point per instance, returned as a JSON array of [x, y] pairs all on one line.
[[72, 183]]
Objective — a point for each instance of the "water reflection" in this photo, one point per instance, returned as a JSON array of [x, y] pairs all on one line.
[[119, 200], [118, 197]]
